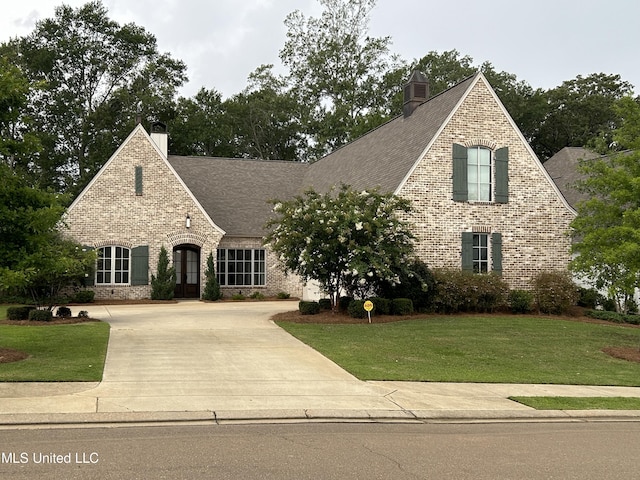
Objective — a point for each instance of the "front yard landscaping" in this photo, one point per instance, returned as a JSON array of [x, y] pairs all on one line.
[[477, 348], [52, 352]]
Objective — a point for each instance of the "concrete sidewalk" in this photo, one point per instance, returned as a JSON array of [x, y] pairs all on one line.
[[223, 362]]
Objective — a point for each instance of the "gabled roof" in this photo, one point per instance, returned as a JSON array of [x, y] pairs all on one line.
[[384, 156], [563, 170], [236, 192]]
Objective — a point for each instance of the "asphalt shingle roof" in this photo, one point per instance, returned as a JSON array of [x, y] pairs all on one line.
[[235, 192], [563, 170]]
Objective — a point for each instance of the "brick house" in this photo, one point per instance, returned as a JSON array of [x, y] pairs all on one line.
[[482, 200]]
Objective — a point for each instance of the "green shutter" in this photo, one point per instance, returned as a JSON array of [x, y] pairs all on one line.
[[502, 175], [496, 253], [140, 265], [467, 251], [460, 189], [138, 180], [90, 277]]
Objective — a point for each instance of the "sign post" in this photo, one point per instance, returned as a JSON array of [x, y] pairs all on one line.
[[368, 306]]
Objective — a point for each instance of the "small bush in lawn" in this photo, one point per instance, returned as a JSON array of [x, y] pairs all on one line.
[[325, 303], [63, 312], [381, 306], [83, 296], [401, 306], [40, 315], [283, 295], [356, 309], [554, 292], [309, 308], [83, 314], [520, 301], [19, 313]]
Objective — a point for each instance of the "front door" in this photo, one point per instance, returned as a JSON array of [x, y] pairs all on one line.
[[186, 260]]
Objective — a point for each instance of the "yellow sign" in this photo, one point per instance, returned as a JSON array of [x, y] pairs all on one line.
[[368, 305]]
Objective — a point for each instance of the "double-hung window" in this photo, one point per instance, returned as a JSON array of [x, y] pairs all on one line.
[[241, 267], [113, 267]]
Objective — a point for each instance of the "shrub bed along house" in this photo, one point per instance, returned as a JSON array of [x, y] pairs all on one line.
[[554, 292], [462, 291]]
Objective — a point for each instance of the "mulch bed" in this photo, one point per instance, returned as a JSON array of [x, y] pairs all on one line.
[[631, 354], [8, 355]]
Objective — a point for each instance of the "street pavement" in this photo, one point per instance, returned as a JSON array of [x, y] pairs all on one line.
[[193, 361]]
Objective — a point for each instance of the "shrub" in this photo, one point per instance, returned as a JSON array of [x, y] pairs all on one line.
[[418, 285], [63, 312], [356, 309], [238, 296], [283, 295], [83, 296], [211, 287], [83, 314], [309, 308], [257, 296], [40, 315], [520, 301], [554, 292], [343, 303], [401, 306], [164, 285], [613, 316], [381, 306], [19, 313], [589, 298], [462, 291], [325, 303]]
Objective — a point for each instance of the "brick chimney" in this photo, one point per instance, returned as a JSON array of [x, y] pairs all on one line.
[[160, 137], [416, 91]]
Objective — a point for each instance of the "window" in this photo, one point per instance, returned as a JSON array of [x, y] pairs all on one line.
[[138, 180], [482, 252], [113, 266], [241, 267], [480, 174]]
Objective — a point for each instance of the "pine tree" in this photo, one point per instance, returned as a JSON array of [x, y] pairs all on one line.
[[163, 286], [212, 287]]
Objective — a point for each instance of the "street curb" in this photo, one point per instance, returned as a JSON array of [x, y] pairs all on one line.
[[313, 416]]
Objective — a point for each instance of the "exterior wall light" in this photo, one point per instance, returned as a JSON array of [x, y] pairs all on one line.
[[188, 221]]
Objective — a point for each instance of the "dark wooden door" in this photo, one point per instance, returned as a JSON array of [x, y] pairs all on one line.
[[186, 259]]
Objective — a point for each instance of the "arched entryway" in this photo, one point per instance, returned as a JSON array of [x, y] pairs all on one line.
[[186, 260]]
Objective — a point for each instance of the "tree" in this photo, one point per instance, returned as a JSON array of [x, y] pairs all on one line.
[[342, 239], [35, 258], [577, 112], [163, 285], [338, 72], [607, 229], [94, 74], [211, 287]]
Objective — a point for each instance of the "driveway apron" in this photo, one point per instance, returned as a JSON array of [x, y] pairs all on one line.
[[218, 356]]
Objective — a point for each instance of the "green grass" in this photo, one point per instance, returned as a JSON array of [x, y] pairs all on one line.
[[580, 403], [501, 349], [57, 353]]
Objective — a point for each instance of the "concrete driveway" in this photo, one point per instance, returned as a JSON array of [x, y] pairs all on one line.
[[193, 356]]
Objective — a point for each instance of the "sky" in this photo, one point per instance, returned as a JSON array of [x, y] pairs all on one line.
[[222, 41]]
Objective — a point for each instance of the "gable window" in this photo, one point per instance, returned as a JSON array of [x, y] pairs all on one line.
[[482, 252], [241, 267], [480, 174], [113, 266]]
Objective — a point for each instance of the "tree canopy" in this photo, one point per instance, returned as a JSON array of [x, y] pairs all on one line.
[[342, 239]]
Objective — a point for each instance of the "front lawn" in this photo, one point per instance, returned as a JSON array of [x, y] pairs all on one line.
[[56, 353], [493, 349], [580, 403]]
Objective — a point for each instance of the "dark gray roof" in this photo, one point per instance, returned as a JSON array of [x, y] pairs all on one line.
[[563, 170], [235, 192], [383, 157]]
